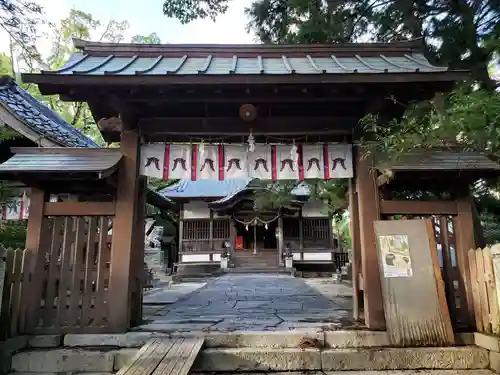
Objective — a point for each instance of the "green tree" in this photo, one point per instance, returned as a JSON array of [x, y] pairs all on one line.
[[5, 65], [152, 38]]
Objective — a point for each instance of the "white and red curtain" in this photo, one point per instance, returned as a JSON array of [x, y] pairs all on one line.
[[232, 161], [15, 208]]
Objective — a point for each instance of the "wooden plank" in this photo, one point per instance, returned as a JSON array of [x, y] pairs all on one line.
[[15, 292], [79, 208], [475, 290], [398, 207], [88, 272], [180, 359], [35, 233], [483, 294], [144, 351], [368, 199], [64, 272], [146, 363], [6, 296], [100, 292], [409, 321], [52, 275], [465, 240], [491, 290], [495, 254], [76, 269], [24, 292]]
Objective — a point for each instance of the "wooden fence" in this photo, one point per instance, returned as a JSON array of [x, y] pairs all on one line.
[[12, 263], [484, 268]]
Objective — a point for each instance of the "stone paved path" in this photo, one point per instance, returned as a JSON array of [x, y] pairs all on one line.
[[256, 302]]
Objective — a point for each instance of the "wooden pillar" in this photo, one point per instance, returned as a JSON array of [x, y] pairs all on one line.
[[280, 240], [464, 235], [368, 203], [232, 235], [211, 229], [301, 231], [123, 232], [136, 280], [36, 254], [181, 231], [356, 248]]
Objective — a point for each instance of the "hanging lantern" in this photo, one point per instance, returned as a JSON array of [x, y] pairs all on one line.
[[251, 142], [202, 150], [246, 227], [294, 154], [265, 226]]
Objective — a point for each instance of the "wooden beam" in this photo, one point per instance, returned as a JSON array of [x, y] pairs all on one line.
[[79, 208], [401, 207], [123, 232], [368, 201], [236, 126]]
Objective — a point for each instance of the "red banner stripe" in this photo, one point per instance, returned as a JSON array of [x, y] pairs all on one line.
[[221, 162], [301, 163], [326, 161], [194, 163], [166, 161], [274, 171], [4, 212]]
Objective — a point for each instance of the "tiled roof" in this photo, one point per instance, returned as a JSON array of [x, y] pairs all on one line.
[[103, 161], [214, 189], [211, 65], [170, 59], [40, 118], [443, 161]]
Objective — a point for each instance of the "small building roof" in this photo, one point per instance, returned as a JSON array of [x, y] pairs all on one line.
[[187, 189], [61, 160], [443, 160], [17, 105]]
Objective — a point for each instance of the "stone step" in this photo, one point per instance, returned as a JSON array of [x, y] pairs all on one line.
[[297, 359], [263, 359]]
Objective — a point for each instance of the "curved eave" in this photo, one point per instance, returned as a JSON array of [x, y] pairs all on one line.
[[49, 80]]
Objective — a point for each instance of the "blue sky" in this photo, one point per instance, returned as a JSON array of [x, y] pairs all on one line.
[[146, 16]]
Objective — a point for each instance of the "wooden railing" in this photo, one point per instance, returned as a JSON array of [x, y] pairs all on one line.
[[484, 268]]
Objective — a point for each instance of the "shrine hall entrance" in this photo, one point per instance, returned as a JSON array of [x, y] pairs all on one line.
[[259, 237]]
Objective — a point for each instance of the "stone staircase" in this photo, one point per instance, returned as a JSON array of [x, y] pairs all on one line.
[[264, 352], [265, 261]]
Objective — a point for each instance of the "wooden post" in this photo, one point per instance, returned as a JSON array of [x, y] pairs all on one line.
[[181, 231], [211, 224], [123, 232], [137, 279], [232, 234], [355, 248], [301, 231], [464, 235], [37, 255], [368, 203], [280, 240]]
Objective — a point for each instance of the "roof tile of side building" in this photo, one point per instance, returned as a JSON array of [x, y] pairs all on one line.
[[40, 118], [187, 189], [98, 59]]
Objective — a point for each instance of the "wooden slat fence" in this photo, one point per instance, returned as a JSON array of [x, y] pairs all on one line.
[[484, 268], [68, 290], [13, 263]]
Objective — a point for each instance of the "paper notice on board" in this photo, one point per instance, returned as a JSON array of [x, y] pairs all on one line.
[[395, 256]]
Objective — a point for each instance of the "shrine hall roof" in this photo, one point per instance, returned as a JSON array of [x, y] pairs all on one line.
[[129, 59], [187, 189], [36, 116]]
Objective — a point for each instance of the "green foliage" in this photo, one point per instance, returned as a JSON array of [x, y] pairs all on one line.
[[469, 119], [190, 10], [13, 234], [20, 20], [157, 184], [5, 65], [332, 194], [152, 38]]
